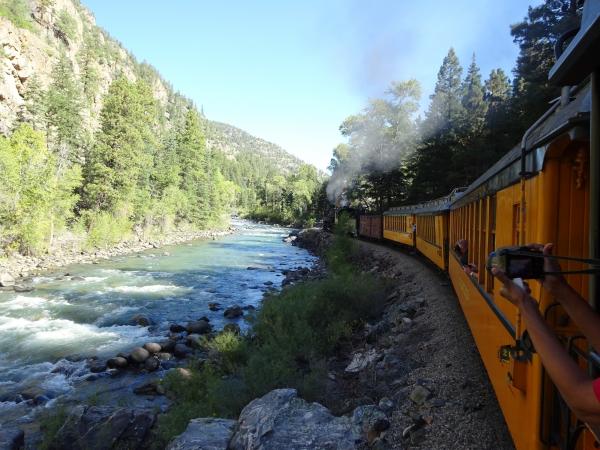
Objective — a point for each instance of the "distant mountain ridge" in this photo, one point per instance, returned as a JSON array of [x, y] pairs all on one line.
[[232, 140]]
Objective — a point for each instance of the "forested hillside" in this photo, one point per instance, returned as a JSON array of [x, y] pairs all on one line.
[[393, 156], [97, 147]]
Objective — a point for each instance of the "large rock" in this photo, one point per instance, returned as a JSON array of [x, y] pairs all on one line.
[[139, 355], [281, 420], [104, 428], [11, 438], [361, 361], [198, 327], [233, 312], [204, 434], [6, 279]]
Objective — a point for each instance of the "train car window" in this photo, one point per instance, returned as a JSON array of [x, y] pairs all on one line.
[[491, 238], [483, 238]]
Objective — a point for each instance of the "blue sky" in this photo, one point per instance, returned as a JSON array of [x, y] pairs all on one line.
[[291, 71]]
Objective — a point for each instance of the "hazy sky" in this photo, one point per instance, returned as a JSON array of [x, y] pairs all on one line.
[[291, 71]]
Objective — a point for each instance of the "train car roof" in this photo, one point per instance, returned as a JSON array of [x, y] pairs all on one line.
[[437, 205], [566, 119]]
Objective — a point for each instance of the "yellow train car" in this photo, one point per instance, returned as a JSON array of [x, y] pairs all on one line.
[[423, 226], [398, 226], [538, 192]]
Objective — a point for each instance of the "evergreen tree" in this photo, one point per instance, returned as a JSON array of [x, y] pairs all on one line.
[[116, 168], [62, 109], [34, 111], [446, 109], [473, 100], [536, 36]]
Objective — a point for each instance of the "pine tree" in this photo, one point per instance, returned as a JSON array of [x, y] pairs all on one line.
[[63, 113], [116, 168], [34, 111], [536, 36], [446, 110], [473, 100]]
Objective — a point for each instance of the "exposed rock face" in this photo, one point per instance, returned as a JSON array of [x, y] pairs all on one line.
[[282, 420], [6, 280], [204, 434], [104, 428]]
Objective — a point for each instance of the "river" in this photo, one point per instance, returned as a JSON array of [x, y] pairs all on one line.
[[86, 310]]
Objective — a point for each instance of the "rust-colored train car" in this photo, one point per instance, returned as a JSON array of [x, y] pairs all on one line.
[[370, 226]]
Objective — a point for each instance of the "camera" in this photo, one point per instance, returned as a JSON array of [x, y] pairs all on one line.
[[518, 262]]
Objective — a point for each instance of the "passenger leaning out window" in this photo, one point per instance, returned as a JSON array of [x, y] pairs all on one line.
[[581, 392]]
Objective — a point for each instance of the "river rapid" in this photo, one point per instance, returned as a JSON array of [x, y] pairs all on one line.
[[86, 310]]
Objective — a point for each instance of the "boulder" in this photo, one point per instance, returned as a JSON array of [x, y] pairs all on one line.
[[22, 288], [362, 360], [168, 346], [97, 365], [151, 364], [11, 438], [139, 355], [204, 434], [104, 428], [181, 350], [164, 356], [371, 420], [117, 362], [152, 347], [176, 328], [232, 328], [214, 306], [198, 327], [281, 420], [419, 394], [233, 312], [141, 320], [151, 388], [6, 279]]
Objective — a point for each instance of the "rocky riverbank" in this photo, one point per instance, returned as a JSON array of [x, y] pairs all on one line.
[[16, 267], [411, 379]]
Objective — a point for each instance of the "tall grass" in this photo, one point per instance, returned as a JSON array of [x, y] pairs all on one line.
[[293, 334]]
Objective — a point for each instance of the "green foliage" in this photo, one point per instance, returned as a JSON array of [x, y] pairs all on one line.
[[62, 108], [469, 124], [50, 422], [35, 197], [18, 12], [116, 166], [66, 23], [104, 229], [293, 334]]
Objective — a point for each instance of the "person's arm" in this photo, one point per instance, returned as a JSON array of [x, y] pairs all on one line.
[[578, 309], [575, 386]]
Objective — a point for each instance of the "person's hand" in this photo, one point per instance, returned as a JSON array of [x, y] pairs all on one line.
[[512, 291], [552, 283]]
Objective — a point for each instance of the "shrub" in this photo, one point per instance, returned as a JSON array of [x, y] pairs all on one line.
[[104, 229], [17, 11], [293, 334], [66, 23]]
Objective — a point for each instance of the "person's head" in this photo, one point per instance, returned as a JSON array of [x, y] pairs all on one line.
[[461, 246]]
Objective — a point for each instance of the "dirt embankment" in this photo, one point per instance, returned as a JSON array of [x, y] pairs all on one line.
[[418, 362]]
